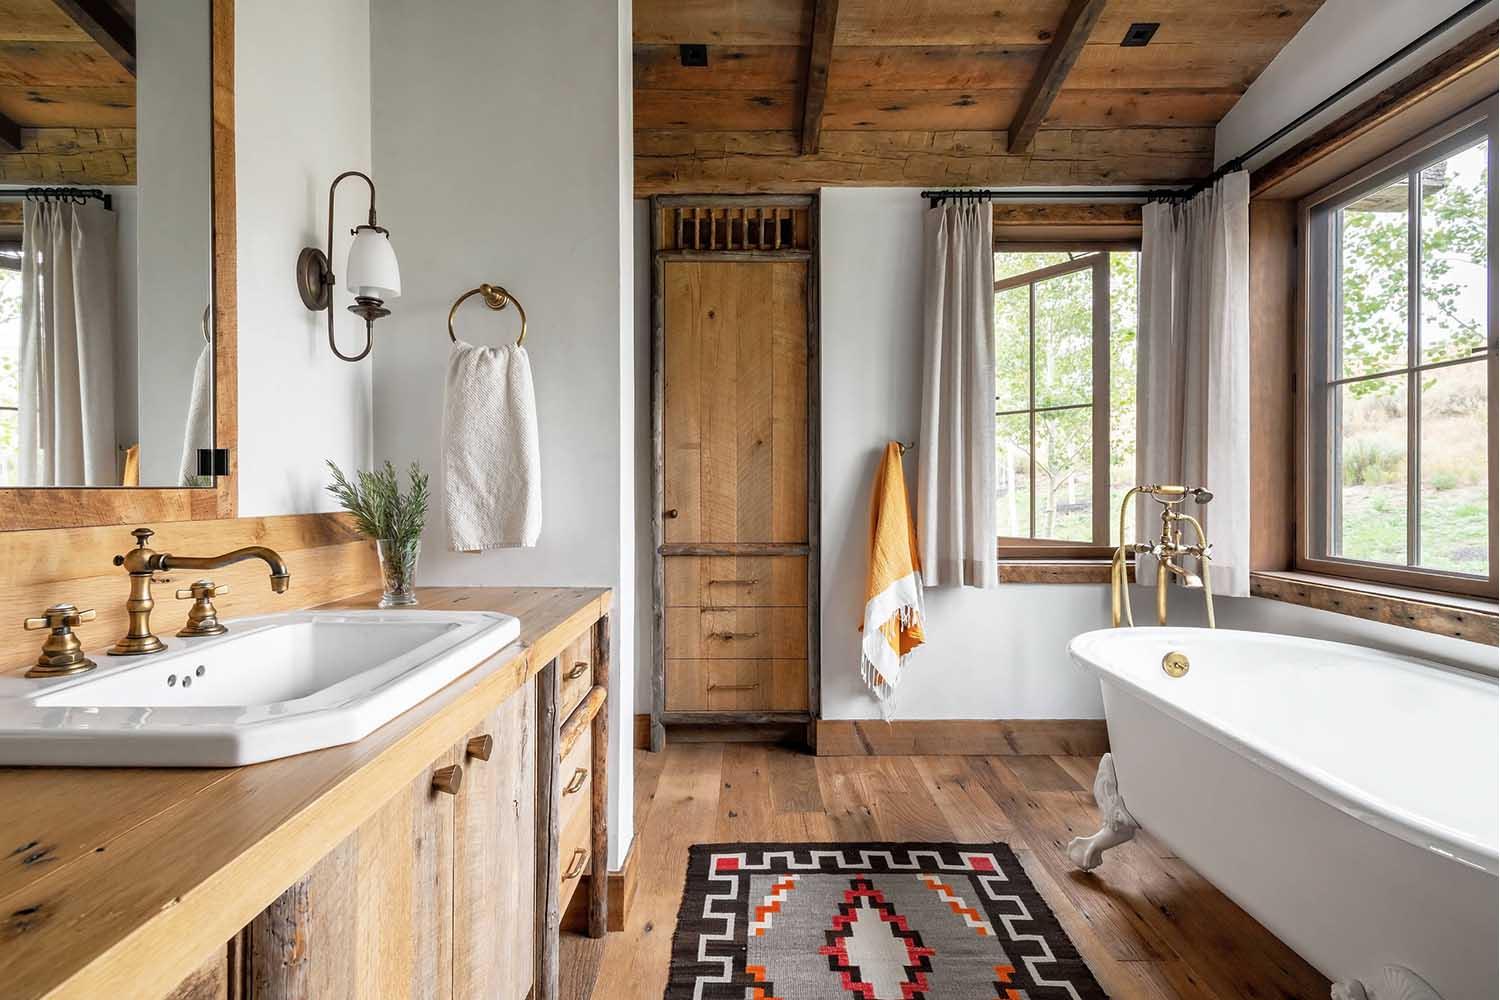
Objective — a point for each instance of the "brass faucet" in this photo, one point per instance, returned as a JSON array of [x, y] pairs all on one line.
[[1166, 549], [141, 562]]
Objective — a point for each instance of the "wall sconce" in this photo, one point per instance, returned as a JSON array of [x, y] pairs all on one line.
[[373, 275]]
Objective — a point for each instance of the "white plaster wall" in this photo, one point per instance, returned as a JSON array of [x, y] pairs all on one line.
[[996, 654], [499, 133], [1343, 39], [174, 245], [302, 115]]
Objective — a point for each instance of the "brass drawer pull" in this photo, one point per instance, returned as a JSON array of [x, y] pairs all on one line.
[[448, 779], [752, 581], [579, 777], [733, 635], [580, 861], [480, 747], [733, 687], [579, 669]]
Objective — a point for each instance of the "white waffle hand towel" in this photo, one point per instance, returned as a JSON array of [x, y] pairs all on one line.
[[492, 466]]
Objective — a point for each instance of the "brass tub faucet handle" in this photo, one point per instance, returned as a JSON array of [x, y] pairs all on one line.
[[203, 617], [62, 653]]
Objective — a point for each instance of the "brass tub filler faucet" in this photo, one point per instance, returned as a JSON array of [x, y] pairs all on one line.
[[1168, 550], [141, 562]]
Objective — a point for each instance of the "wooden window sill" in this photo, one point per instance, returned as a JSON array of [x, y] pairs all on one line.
[[1441, 614], [1054, 570]]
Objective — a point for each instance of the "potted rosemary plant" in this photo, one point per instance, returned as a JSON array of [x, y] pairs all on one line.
[[394, 519]]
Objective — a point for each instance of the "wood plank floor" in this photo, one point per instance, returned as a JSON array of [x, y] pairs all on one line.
[[1146, 923]]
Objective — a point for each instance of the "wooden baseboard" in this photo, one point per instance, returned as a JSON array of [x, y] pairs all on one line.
[[961, 737], [643, 732], [621, 893]]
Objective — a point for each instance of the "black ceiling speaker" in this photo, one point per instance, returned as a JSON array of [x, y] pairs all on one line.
[[1138, 34], [693, 55]]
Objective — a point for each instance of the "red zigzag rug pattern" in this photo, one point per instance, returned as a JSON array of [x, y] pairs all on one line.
[[878, 921]]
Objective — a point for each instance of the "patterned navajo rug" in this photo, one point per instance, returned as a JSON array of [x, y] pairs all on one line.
[[869, 922]]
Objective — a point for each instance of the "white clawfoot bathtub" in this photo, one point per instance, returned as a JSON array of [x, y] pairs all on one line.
[[1344, 797]]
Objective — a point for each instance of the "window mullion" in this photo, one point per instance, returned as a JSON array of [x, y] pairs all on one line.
[[1413, 378], [1031, 398]]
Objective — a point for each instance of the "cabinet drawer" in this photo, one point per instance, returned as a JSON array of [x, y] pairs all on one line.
[[736, 633], [736, 685], [735, 581], [575, 665], [575, 821]]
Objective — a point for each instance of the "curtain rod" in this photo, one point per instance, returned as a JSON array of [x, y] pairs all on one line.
[[1092, 194], [1238, 162], [77, 194]]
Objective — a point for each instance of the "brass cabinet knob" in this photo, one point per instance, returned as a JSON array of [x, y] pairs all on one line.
[[448, 779], [669, 514], [480, 747], [579, 669]]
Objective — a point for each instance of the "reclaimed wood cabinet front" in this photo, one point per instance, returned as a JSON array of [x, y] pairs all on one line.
[[451, 889]]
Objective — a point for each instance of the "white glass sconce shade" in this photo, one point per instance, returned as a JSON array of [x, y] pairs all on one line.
[[373, 272]]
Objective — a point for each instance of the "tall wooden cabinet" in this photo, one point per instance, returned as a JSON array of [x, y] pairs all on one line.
[[734, 403]]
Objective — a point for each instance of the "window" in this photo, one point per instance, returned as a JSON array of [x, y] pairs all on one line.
[[1399, 422], [1065, 326]]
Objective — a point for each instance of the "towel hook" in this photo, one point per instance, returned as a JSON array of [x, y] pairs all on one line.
[[496, 298]]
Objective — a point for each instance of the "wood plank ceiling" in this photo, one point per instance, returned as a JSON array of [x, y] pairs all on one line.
[[67, 92], [803, 93]]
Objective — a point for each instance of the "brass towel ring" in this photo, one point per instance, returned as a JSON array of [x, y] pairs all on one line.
[[496, 298]]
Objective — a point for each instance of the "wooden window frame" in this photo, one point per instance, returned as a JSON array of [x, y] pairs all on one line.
[[1097, 260], [1314, 347]]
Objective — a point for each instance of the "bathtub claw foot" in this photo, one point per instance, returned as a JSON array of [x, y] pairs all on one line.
[[1119, 826], [1396, 983]]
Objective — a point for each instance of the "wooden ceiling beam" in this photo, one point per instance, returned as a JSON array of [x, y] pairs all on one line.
[[819, 59], [1067, 44], [104, 24], [10, 135]]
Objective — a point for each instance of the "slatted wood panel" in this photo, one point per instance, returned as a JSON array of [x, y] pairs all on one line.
[[374, 917], [736, 581], [735, 227], [494, 858], [735, 409]]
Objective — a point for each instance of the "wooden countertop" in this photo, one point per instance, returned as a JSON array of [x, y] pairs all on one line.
[[135, 875]]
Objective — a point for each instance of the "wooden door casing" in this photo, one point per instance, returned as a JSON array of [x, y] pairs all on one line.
[[736, 466]]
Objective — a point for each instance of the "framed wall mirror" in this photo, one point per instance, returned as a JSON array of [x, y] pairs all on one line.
[[117, 262]]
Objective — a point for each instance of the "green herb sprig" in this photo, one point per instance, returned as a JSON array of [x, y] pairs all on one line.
[[379, 507]]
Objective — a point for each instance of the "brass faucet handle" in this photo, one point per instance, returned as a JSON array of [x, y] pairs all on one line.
[[203, 589], [59, 616]]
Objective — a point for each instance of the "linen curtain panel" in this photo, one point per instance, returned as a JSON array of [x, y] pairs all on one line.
[[956, 449], [1193, 374], [67, 358]]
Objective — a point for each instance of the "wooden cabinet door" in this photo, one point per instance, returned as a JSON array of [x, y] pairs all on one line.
[[494, 858], [374, 918], [734, 418]]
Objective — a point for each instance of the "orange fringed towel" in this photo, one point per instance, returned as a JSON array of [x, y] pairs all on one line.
[[893, 596]]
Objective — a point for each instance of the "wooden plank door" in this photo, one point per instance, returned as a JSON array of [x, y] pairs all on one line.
[[735, 562], [494, 857], [734, 420]]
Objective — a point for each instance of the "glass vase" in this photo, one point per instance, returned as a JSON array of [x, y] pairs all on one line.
[[398, 570]]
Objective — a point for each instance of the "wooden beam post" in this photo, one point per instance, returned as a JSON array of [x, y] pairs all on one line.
[[104, 24], [548, 913], [819, 58], [10, 135], [1067, 45], [599, 846]]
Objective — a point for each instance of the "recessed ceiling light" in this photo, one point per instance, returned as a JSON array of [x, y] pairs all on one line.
[[1140, 33], [693, 55]]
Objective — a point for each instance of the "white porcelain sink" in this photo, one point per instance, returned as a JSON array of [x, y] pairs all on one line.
[[276, 685]]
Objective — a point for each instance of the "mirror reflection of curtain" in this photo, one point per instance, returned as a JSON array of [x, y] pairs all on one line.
[[67, 358]]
